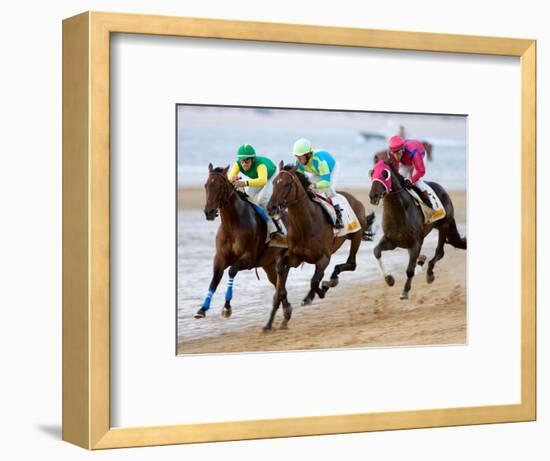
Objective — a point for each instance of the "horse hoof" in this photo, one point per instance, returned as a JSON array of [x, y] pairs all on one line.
[[201, 313], [284, 325], [330, 284], [404, 295], [430, 278], [390, 280], [421, 260], [307, 302], [267, 329], [226, 312], [287, 313]]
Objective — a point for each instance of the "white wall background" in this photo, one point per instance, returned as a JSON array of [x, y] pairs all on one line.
[[30, 233]]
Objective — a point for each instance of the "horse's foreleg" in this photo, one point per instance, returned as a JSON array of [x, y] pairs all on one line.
[[219, 267], [282, 268], [320, 267], [439, 253], [226, 312], [414, 252], [349, 265], [384, 245]]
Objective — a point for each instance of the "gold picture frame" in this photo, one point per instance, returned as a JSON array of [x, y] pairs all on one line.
[[86, 230]]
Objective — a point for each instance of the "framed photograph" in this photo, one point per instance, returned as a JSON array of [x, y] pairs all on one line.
[[276, 230]]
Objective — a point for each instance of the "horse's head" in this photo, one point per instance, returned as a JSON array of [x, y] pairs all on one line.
[[286, 188], [218, 190], [382, 181]]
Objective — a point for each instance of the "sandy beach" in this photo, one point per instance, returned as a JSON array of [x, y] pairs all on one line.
[[361, 312]]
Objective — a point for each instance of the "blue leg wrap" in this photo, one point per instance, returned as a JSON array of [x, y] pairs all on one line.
[[206, 303], [229, 292]]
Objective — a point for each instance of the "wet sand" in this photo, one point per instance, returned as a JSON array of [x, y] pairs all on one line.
[[357, 313], [363, 315]]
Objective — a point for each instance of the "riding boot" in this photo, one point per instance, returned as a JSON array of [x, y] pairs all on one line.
[[339, 224], [281, 231], [426, 199]]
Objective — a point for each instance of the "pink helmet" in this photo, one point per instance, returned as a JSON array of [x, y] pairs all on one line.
[[396, 143]]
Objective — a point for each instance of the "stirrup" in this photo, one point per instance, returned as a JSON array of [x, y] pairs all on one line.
[[339, 224]]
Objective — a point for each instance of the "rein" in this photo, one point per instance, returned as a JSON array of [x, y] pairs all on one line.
[[396, 191]]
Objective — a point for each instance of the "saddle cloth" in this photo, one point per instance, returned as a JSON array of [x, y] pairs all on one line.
[[277, 241], [349, 218], [430, 215]]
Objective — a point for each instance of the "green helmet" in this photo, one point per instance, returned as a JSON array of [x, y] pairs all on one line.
[[246, 151], [302, 147]]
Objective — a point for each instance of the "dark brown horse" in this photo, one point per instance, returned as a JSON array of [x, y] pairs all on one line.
[[240, 240], [403, 223], [310, 237]]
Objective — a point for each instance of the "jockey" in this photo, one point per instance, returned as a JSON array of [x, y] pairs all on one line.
[[408, 156], [322, 168], [258, 185]]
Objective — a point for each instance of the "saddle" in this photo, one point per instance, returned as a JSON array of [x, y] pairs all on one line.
[[349, 218], [277, 241], [430, 215]]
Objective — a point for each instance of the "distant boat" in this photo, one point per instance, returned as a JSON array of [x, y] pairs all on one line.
[[368, 135], [262, 111]]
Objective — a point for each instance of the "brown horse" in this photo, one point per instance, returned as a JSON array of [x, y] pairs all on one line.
[[240, 240], [403, 223], [310, 237]]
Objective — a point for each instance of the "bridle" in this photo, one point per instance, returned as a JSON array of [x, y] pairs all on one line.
[[391, 191], [225, 199], [286, 203]]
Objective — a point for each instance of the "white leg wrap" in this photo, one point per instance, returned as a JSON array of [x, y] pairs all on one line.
[[381, 267]]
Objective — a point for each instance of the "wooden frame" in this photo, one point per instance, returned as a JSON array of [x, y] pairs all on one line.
[[86, 233]]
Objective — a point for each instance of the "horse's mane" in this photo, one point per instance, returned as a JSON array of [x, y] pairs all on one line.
[[242, 194], [395, 172], [304, 180]]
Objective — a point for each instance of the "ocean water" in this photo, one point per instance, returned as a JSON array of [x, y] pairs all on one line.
[[210, 134]]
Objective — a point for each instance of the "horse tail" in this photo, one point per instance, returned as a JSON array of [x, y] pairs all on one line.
[[368, 233], [454, 237]]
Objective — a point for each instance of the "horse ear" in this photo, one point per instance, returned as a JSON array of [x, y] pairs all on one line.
[[210, 167], [225, 170], [385, 174], [281, 165], [371, 171]]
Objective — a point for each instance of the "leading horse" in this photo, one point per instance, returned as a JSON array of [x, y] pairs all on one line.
[[240, 240], [403, 223], [311, 237]]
